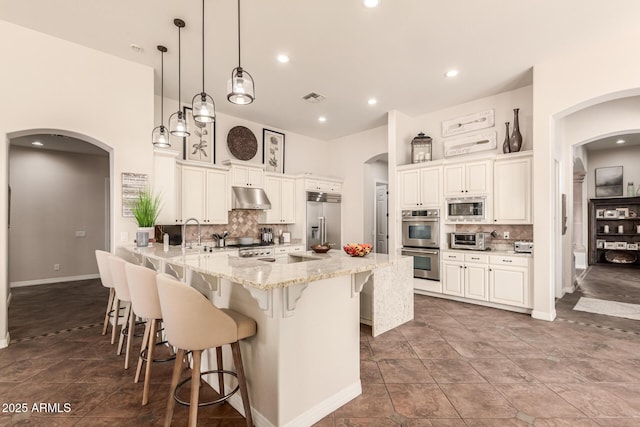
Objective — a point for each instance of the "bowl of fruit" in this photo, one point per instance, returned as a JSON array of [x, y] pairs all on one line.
[[357, 249], [321, 249]]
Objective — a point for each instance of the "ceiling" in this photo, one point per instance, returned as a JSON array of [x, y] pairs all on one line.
[[58, 143], [397, 52], [610, 142]]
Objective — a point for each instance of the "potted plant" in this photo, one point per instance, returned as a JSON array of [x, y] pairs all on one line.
[[146, 210]]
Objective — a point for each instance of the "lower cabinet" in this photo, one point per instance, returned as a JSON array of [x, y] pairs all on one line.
[[494, 278]]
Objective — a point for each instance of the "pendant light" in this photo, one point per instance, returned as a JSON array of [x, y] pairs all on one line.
[[178, 121], [160, 135], [240, 87], [202, 105]]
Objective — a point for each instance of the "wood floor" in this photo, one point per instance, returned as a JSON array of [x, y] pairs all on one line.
[[456, 364]]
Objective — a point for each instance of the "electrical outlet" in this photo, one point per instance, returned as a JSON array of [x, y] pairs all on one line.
[[81, 233], [505, 234], [56, 267], [124, 236]]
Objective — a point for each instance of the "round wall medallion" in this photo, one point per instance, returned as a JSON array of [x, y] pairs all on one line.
[[242, 143]]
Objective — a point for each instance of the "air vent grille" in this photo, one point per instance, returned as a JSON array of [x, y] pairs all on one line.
[[313, 97]]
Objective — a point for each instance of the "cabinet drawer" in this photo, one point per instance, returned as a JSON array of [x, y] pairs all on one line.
[[509, 260], [284, 250], [296, 249], [478, 258], [452, 256]]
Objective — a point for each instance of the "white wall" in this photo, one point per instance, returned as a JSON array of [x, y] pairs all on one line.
[[53, 195], [50, 85], [598, 73], [627, 157]]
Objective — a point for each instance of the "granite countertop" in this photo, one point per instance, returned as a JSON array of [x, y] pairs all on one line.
[[260, 274]]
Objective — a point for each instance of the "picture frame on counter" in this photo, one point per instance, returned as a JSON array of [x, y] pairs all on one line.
[[622, 212], [200, 146], [470, 122], [599, 213], [600, 243], [273, 150], [470, 144]]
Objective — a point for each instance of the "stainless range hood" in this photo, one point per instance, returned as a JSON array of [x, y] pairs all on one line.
[[250, 198]]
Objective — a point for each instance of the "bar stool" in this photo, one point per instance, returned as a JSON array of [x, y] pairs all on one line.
[[122, 293], [191, 322], [106, 279], [146, 304]]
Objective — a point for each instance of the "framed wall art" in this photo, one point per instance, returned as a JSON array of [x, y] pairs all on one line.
[[132, 185], [470, 144], [468, 123], [200, 146], [609, 181], [273, 150]]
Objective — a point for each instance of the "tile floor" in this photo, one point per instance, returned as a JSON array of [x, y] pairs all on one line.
[[455, 364]]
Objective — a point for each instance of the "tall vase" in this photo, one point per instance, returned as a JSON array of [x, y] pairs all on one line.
[[516, 137], [506, 145]]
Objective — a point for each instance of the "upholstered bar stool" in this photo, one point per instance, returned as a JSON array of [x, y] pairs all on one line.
[[146, 304], [191, 322], [104, 269], [121, 285]]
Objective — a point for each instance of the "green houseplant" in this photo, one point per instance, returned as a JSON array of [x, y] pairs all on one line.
[[146, 210]]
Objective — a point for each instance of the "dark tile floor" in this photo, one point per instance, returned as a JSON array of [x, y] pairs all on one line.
[[455, 364]]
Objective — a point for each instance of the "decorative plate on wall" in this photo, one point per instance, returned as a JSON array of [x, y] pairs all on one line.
[[242, 143]]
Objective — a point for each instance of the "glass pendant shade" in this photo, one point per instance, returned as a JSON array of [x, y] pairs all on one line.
[[160, 137], [240, 87], [178, 125], [204, 109]]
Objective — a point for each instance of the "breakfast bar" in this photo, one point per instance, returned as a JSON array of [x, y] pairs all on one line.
[[304, 361]]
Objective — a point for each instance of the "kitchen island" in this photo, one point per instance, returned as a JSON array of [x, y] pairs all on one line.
[[304, 361]]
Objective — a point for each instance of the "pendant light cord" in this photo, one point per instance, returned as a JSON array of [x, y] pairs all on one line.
[[202, 46], [179, 76], [239, 44], [162, 89]]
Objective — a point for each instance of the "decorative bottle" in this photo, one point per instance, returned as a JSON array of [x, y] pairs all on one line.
[[515, 144], [630, 189], [506, 145]]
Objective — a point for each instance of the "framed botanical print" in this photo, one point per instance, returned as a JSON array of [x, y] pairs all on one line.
[[273, 150], [200, 146]]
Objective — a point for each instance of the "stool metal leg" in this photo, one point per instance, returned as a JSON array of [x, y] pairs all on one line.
[[143, 347], [220, 368], [177, 370], [116, 315], [195, 388], [151, 345], [242, 382], [112, 294]]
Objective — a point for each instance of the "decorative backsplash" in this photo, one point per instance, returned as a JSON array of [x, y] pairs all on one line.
[[516, 233], [241, 223]]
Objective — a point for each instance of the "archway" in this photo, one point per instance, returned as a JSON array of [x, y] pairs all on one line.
[[376, 179]]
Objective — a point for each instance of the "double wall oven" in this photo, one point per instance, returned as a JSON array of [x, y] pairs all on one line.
[[421, 240]]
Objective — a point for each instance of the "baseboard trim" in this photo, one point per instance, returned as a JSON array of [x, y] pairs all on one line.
[[505, 307], [544, 315], [52, 280], [4, 342]]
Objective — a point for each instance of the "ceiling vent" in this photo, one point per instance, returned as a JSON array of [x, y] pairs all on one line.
[[313, 97]]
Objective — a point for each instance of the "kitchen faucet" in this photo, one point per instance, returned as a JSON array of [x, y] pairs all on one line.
[[184, 233]]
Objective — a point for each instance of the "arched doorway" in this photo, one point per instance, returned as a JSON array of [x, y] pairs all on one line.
[[60, 188]]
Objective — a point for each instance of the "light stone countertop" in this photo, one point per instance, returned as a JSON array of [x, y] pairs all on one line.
[[222, 263], [491, 252]]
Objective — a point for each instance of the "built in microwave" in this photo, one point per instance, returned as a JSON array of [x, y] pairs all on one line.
[[465, 209]]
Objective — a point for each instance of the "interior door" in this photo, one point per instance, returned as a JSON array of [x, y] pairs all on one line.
[[382, 218]]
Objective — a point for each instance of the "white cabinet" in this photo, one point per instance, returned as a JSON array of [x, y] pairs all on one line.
[[468, 179], [509, 280], [246, 176], [420, 187], [204, 195], [465, 275], [512, 190], [323, 186], [165, 184], [281, 193]]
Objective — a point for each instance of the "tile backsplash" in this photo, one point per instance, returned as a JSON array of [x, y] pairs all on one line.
[[516, 233], [241, 223]]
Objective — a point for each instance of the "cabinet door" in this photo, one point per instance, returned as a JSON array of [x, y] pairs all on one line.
[[239, 176], [216, 197], [454, 180], [178, 198], [478, 178], [273, 187], [255, 177], [193, 193], [476, 283], [512, 191], [164, 184], [288, 201], [509, 285], [431, 187], [409, 188], [453, 278]]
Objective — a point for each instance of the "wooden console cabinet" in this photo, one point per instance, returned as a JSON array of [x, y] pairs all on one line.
[[613, 223]]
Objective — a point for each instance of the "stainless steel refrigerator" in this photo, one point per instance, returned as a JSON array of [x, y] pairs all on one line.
[[324, 219]]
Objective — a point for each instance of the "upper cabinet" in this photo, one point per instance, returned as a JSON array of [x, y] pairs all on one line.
[[512, 190], [281, 192], [468, 179], [247, 176], [420, 188], [166, 179], [323, 186], [204, 194]]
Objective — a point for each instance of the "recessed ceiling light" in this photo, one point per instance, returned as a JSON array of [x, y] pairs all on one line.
[[451, 73], [37, 143], [371, 3], [620, 141], [372, 101], [322, 119], [283, 58]]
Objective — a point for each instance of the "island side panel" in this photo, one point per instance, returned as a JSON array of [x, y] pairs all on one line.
[[392, 290]]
